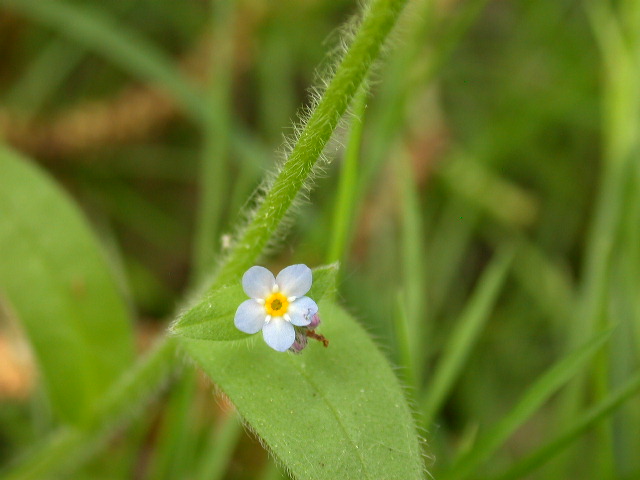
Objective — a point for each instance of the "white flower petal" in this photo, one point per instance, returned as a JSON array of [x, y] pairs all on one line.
[[295, 280], [258, 282], [249, 317], [301, 311], [279, 334]]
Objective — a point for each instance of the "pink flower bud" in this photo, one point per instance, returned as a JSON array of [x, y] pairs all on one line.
[[315, 321], [300, 342]]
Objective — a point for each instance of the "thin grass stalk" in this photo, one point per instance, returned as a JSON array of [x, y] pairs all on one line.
[[414, 263], [213, 187], [67, 448], [218, 449], [620, 127], [464, 336], [344, 206]]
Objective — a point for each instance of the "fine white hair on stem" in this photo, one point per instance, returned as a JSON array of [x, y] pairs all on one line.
[[338, 119]]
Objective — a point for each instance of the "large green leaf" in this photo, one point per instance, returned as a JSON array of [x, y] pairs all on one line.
[[212, 317], [328, 413], [57, 280]]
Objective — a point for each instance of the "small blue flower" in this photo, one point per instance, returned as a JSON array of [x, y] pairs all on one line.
[[276, 304]]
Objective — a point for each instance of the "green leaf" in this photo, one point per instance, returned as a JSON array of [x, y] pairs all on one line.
[[324, 281], [212, 317], [56, 278], [335, 412]]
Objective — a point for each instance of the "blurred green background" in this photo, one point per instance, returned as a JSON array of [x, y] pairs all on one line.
[[490, 126]]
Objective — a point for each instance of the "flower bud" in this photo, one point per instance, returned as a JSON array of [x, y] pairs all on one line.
[[300, 342], [315, 321]]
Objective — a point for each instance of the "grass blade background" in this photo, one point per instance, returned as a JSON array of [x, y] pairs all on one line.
[[215, 152], [595, 414], [345, 201], [465, 334], [554, 378]]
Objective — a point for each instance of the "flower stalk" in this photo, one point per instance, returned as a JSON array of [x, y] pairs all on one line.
[[380, 17]]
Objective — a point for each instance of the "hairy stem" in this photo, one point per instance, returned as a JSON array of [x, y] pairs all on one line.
[[297, 169]]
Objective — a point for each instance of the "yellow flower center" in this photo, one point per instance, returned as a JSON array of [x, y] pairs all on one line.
[[276, 304]]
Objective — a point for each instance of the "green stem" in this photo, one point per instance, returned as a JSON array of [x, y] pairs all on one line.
[[364, 50], [404, 344]]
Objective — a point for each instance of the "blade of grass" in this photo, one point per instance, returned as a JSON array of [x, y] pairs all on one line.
[[403, 343], [546, 282], [625, 308], [136, 439], [554, 378], [344, 206], [218, 450], [460, 25], [413, 263], [596, 414], [620, 127], [44, 75], [276, 76], [213, 188], [398, 86], [49, 71], [174, 444], [450, 239], [465, 335]]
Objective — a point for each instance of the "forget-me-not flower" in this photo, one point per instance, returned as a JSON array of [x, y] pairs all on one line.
[[276, 304]]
